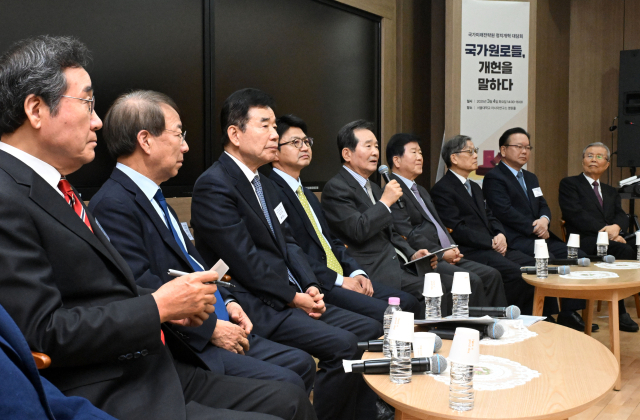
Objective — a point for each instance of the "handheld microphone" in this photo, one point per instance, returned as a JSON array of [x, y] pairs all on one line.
[[494, 330], [605, 258], [563, 269], [376, 345], [384, 171], [582, 262], [433, 364], [448, 334], [510, 312]]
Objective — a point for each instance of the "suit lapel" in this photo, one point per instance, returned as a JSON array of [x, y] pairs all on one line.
[[410, 197], [144, 203], [473, 202], [361, 194], [514, 181], [242, 184]]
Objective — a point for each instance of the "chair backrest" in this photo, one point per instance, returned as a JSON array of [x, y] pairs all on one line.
[[564, 230]]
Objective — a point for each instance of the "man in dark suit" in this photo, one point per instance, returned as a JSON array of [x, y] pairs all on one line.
[[479, 235], [344, 283], [69, 291], [359, 213], [516, 200], [27, 395], [420, 223], [131, 209], [237, 216], [589, 207]]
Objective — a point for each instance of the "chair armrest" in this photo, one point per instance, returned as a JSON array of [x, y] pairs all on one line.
[[42, 360]]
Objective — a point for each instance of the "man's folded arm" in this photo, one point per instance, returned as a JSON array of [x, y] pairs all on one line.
[[71, 336]]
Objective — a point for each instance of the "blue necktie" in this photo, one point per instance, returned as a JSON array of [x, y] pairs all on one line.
[[221, 309], [258, 186], [467, 185], [520, 178]]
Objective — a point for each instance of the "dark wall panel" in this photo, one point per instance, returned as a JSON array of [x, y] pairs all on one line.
[[141, 44], [319, 60]]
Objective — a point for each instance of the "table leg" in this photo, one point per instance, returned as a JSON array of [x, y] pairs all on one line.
[[614, 329], [588, 319], [538, 302]]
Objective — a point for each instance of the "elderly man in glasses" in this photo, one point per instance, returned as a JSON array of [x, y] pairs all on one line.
[[589, 206], [517, 201]]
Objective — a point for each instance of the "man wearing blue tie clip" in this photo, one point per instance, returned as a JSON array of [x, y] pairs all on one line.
[[144, 133]]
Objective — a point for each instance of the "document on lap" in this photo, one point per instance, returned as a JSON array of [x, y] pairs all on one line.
[[431, 254]]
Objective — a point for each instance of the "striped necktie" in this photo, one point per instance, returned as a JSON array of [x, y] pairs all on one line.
[[74, 201]]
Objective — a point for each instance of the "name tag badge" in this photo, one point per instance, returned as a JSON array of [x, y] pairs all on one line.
[[537, 192], [280, 212], [185, 227]]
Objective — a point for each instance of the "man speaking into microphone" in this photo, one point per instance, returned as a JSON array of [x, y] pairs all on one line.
[[589, 207]]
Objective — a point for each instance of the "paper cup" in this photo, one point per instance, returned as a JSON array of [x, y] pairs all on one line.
[[465, 348], [423, 344], [432, 285], [401, 328], [541, 251], [574, 240], [603, 238], [540, 241], [461, 284]]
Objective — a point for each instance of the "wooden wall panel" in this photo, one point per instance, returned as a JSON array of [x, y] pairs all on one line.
[[552, 100], [597, 32], [437, 82], [631, 24]]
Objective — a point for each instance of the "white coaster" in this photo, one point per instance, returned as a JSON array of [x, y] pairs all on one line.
[[494, 373], [587, 275], [619, 265], [514, 332]]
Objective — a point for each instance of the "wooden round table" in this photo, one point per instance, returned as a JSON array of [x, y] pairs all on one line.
[[610, 289], [576, 371]]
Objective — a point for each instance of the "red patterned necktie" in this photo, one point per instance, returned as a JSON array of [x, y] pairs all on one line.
[[74, 201]]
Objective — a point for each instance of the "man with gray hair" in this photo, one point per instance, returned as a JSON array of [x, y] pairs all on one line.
[[69, 291], [589, 207]]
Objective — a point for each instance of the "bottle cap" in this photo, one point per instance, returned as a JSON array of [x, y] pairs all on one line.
[[394, 301]]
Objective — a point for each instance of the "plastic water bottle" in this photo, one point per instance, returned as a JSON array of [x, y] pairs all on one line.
[[638, 252], [542, 268], [602, 250], [433, 308], [461, 394], [572, 252], [400, 372], [460, 306], [394, 306]]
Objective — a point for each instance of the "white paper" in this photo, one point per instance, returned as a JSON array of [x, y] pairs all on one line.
[[185, 227], [432, 254], [221, 268], [281, 213], [529, 320], [537, 192], [485, 320]]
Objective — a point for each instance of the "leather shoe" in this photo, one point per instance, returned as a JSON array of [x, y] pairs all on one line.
[[550, 319], [627, 324], [571, 319]]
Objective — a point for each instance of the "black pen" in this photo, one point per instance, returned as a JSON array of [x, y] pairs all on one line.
[[176, 273]]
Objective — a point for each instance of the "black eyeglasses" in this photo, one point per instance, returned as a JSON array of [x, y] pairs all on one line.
[[92, 102], [183, 134], [520, 147], [297, 142], [470, 151]]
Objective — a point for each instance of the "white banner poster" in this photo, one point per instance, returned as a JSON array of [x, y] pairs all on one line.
[[494, 75]]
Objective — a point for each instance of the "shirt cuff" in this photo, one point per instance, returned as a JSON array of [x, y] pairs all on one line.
[[359, 272], [339, 280], [228, 301], [546, 217], [385, 206]]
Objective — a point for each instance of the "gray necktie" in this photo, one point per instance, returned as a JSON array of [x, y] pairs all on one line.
[[467, 185], [444, 239], [520, 178], [367, 186]]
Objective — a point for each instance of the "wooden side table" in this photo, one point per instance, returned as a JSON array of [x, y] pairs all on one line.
[[576, 371], [610, 289]]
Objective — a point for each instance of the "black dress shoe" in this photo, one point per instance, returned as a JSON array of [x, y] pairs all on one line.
[[627, 324], [571, 319], [550, 319], [384, 411]]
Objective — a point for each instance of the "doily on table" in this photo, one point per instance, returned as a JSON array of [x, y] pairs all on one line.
[[619, 265], [587, 275], [494, 373], [514, 332]]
